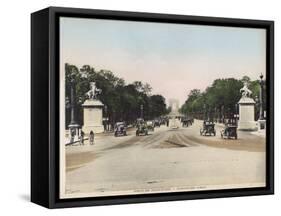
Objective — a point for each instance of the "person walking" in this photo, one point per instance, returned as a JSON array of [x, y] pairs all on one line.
[[92, 136], [72, 134], [82, 138]]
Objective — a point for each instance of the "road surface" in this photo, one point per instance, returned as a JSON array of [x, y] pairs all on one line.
[[165, 160]]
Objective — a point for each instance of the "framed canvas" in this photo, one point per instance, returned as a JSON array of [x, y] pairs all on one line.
[[134, 107]]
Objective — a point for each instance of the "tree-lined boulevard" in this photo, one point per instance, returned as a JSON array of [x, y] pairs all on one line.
[[127, 102], [134, 142]]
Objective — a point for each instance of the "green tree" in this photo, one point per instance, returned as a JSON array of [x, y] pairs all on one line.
[[219, 98], [123, 101]]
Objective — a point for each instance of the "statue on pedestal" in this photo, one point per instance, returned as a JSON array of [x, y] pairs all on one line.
[[92, 108], [246, 110], [94, 91], [246, 93]]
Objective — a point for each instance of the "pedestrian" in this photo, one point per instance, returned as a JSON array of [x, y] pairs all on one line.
[[72, 134], [82, 138], [92, 136]]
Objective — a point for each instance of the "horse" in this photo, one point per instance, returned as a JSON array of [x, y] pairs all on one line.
[[245, 91]]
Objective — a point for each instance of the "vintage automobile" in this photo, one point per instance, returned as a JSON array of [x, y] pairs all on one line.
[[150, 125], [229, 131], [139, 121], [120, 129], [208, 128], [142, 129], [157, 123]]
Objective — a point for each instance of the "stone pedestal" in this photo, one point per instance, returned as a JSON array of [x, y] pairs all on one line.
[[92, 116], [247, 114]]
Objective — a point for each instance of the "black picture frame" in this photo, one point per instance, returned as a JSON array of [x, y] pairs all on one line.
[[45, 110]]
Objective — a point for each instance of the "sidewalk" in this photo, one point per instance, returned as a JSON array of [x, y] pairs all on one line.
[[261, 133]]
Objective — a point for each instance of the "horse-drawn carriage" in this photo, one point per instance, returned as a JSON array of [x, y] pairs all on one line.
[[208, 128], [229, 131]]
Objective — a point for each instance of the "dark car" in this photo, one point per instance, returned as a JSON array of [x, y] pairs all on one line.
[[150, 125], [208, 128], [139, 121], [229, 131], [142, 129], [120, 129], [157, 123]]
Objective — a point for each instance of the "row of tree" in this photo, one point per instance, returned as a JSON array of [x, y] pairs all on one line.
[[219, 100], [123, 102]]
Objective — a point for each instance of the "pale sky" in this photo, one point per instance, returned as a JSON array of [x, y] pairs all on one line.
[[172, 58]]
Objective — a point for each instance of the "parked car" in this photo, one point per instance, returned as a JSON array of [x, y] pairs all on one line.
[[120, 129], [142, 129]]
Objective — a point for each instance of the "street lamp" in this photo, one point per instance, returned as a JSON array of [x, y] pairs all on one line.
[[105, 118], [261, 82], [215, 114], [205, 113], [141, 108], [73, 121], [236, 115], [222, 113], [73, 125]]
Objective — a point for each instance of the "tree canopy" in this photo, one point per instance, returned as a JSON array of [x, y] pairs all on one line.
[[220, 97], [122, 101]]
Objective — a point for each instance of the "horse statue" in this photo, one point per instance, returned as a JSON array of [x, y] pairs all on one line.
[[94, 91], [246, 92]]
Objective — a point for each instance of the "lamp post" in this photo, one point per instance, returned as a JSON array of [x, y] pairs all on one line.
[[257, 107], [222, 113], [204, 110], [73, 125], [105, 118], [72, 103], [141, 109], [236, 115], [261, 117]]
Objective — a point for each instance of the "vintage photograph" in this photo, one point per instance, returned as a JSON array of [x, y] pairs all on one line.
[[150, 107]]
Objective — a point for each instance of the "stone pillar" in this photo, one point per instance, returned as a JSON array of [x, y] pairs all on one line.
[[92, 116], [247, 114]]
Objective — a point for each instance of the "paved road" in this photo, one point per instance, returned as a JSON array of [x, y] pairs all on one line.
[[164, 160]]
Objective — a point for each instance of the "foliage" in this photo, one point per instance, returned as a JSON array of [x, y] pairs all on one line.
[[122, 102], [219, 98]]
